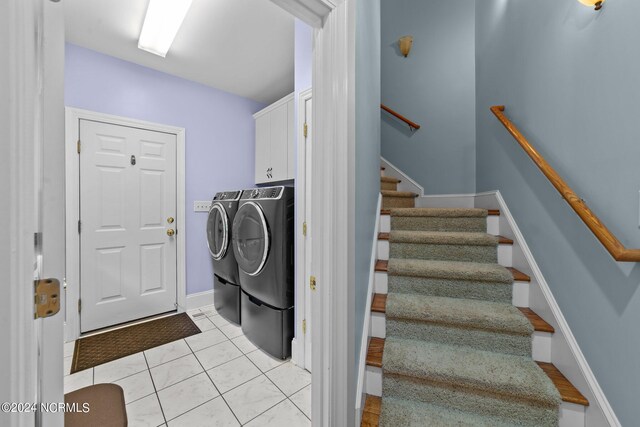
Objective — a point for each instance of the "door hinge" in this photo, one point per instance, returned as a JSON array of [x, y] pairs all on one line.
[[78, 147], [79, 305], [79, 226], [312, 283], [306, 130], [304, 228], [304, 326]]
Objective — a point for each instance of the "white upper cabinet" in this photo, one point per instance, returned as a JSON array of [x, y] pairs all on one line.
[[275, 142]]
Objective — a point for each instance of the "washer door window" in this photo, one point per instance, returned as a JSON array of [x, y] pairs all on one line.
[[218, 231], [250, 238]]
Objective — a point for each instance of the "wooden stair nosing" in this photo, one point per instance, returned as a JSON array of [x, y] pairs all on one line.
[[383, 236], [399, 195], [371, 412], [518, 275], [493, 212], [382, 265], [385, 211], [390, 179], [568, 392], [379, 305], [375, 351], [539, 324]]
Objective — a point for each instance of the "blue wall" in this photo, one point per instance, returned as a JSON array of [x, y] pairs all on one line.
[[570, 79], [219, 126], [435, 87], [367, 151]]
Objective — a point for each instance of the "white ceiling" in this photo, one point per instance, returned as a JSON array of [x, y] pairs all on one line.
[[245, 47]]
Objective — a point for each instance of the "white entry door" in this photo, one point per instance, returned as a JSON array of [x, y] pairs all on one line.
[[128, 250]]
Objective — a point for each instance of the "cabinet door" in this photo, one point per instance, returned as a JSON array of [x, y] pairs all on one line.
[[279, 119], [291, 140], [263, 149]]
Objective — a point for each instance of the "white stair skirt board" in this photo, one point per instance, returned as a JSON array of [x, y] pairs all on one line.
[[406, 183], [362, 387], [200, 299], [565, 352]]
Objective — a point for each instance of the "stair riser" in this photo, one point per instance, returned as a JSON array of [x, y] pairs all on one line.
[[398, 202], [439, 224], [485, 402], [389, 186], [470, 253], [451, 335]]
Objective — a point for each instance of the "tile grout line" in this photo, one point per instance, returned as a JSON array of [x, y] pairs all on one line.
[[153, 383]]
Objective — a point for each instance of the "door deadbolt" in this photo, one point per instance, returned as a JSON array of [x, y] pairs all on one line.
[[133, 160], [170, 220]]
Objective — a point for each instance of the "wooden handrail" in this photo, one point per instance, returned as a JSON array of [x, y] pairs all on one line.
[[602, 233], [412, 125]]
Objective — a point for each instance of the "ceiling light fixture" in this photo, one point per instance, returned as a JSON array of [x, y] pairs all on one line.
[[161, 24], [596, 3]]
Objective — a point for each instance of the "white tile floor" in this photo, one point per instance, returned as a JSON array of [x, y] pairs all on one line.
[[215, 378]]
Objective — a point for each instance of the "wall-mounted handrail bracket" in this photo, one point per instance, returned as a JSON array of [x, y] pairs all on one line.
[[413, 126], [617, 250]]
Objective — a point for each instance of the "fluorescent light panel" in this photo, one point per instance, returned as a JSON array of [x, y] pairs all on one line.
[[163, 20]]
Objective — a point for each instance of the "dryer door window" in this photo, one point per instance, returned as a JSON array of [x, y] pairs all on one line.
[[218, 231], [250, 238]]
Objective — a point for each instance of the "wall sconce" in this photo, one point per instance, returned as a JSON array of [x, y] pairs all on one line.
[[596, 3], [405, 44]]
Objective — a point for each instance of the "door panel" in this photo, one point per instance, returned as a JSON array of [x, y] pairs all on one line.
[[127, 192]]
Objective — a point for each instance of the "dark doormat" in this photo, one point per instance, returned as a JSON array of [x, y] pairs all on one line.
[[102, 348]]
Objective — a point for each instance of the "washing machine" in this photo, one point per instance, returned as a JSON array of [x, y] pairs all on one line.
[[263, 244], [226, 290]]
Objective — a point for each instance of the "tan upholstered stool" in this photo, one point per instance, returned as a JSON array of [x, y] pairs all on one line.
[[106, 407]]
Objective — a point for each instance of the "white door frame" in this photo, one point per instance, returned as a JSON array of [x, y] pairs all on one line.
[[333, 185], [302, 242], [72, 199]]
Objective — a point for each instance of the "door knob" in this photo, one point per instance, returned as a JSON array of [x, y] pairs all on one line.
[[171, 232]]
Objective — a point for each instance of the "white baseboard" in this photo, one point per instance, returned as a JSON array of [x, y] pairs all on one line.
[[565, 354], [200, 299], [366, 328], [406, 183]]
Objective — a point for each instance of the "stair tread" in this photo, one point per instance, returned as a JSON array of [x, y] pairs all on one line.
[[518, 275], [383, 236], [448, 270], [568, 392], [504, 240], [371, 411], [458, 313], [404, 194], [375, 352], [539, 324], [382, 265], [440, 212], [460, 366], [464, 238], [379, 304], [390, 179]]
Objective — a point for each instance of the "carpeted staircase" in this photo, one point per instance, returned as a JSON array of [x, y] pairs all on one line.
[[456, 352]]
